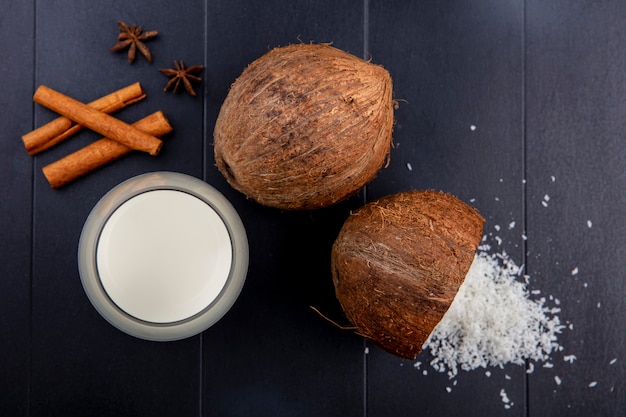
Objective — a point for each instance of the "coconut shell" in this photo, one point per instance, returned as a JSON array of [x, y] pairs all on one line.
[[398, 263], [304, 127]]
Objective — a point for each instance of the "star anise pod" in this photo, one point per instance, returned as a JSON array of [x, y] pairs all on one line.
[[132, 37], [180, 74]]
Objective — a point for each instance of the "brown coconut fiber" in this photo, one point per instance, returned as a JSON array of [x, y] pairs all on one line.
[[398, 263], [305, 126]]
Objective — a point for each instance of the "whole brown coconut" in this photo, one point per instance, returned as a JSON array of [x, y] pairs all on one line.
[[304, 127], [398, 263]]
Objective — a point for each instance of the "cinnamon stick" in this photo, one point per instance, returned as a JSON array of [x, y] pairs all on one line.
[[100, 153], [97, 121], [62, 128]]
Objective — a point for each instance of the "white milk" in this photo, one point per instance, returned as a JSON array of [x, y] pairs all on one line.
[[164, 256]]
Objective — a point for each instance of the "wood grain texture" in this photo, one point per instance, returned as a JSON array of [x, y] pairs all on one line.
[[458, 76], [16, 194], [272, 349], [576, 210], [81, 365]]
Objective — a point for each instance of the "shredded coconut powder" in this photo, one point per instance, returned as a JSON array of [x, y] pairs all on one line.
[[493, 321]]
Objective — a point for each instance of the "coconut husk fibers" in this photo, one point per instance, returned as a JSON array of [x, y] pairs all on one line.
[[398, 263], [305, 126]]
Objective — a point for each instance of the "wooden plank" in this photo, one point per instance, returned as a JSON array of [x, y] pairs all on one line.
[[457, 71], [16, 46], [272, 354], [80, 364], [576, 207]]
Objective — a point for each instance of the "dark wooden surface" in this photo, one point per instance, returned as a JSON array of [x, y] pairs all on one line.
[[542, 82]]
